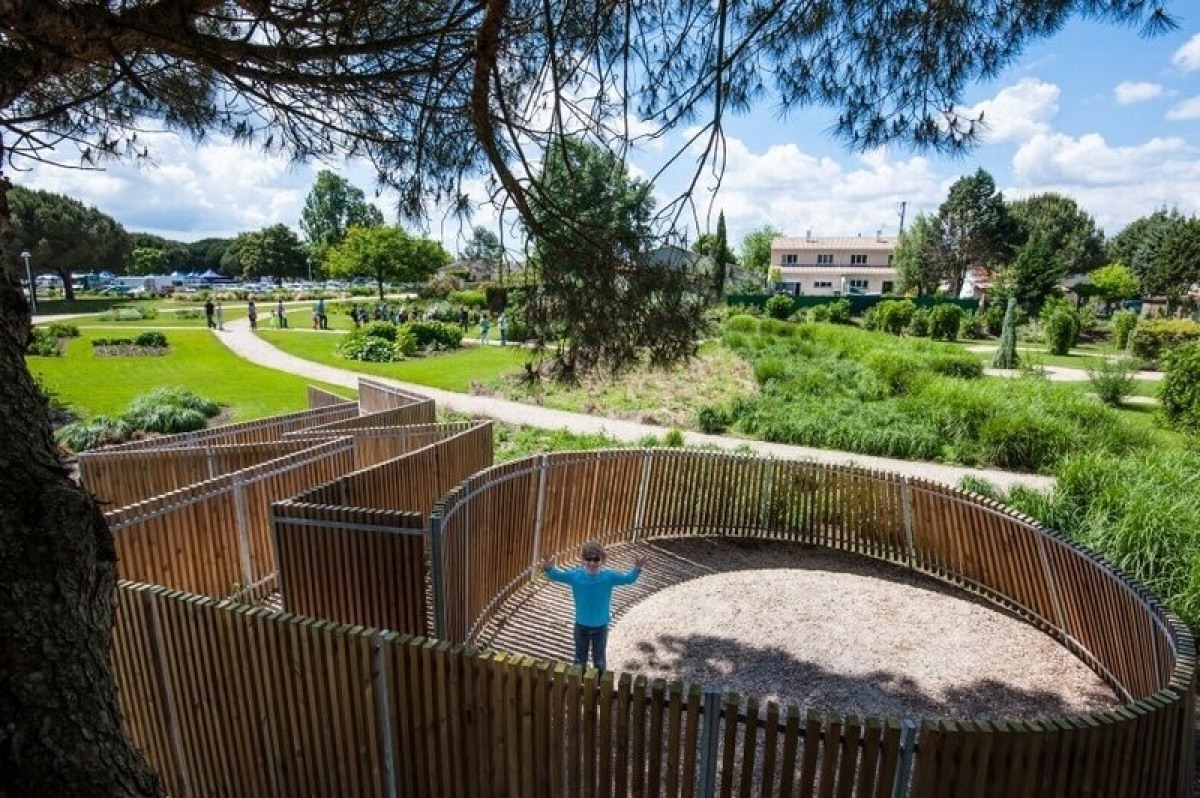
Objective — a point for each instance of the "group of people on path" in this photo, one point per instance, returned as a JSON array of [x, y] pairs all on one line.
[[485, 326]]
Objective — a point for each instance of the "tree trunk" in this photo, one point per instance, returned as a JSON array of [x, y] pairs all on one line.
[[60, 726], [68, 288]]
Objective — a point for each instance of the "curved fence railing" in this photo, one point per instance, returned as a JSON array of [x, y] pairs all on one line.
[[489, 533]]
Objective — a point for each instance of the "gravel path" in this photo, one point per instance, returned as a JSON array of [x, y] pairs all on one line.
[[826, 630]]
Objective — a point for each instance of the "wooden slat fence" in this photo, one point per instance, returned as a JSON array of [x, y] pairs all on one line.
[[319, 397], [119, 478], [214, 538], [352, 565], [381, 578], [423, 412], [229, 700], [505, 516], [374, 396]]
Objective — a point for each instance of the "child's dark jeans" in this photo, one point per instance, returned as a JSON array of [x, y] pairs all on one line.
[[595, 638]]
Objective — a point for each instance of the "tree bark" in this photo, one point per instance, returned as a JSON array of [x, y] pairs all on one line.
[[60, 725]]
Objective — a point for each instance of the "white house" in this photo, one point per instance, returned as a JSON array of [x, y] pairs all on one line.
[[835, 266]]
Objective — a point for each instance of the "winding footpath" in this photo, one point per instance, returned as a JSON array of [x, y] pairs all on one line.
[[238, 337]]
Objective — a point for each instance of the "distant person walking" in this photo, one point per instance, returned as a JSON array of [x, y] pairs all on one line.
[[592, 588], [209, 310], [320, 320], [281, 314], [252, 314], [502, 325], [484, 325], [220, 315], [463, 318]]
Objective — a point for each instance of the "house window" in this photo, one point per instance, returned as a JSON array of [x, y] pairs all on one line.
[[889, 287], [858, 260], [788, 260], [889, 261], [858, 285], [825, 260], [822, 284]]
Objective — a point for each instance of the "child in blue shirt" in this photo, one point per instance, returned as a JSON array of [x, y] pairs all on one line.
[[592, 587]]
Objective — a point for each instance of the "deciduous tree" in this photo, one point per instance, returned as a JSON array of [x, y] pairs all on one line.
[[976, 227], [63, 236], [756, 251], [273, 253], [1114, 282], [386, 254], [332, 207], [920, 256]]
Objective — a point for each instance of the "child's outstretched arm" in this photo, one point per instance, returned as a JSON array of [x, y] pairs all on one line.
[[631, 576], [552, 573]]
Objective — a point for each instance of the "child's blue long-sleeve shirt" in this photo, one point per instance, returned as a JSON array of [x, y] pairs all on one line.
[[592, 592]]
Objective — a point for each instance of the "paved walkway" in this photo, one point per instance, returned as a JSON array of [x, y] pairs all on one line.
[[237, 337]]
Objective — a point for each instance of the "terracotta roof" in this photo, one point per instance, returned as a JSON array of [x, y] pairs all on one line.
[[854, 242]]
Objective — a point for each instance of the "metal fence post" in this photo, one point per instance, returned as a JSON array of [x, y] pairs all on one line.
[[906, 509], [767, 493], [639, 513], [710, 728], [908, 749], [535, 557], [383, 712], [437, 577], [243, 531]]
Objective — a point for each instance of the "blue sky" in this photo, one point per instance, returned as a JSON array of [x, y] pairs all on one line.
[[1096, 112]]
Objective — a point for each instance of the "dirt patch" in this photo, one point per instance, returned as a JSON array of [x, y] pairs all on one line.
[[822, 629]]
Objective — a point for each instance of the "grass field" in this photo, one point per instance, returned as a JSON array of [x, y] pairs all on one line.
[[451, 371], [93, 385]]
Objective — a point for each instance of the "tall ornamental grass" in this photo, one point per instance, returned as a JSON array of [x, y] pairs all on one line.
[[843, 388], [1140, 512]]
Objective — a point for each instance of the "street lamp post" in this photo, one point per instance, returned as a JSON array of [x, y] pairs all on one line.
[[32, 286]]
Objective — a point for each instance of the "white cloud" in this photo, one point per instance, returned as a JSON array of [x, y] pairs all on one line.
[[1129, 92], [795, 191], [1017, 112], [1186, 110], [1115, 184], [1187, 57]]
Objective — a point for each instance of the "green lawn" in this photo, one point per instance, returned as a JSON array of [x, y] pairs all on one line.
[[451, 371], [93, 385]]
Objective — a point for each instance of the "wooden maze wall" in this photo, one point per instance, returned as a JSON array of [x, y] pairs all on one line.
[[346, 693]]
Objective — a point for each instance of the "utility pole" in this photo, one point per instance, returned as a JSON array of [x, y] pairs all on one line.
[[903, 207]]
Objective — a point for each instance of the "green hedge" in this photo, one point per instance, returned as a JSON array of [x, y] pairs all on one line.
[[1153, 338]]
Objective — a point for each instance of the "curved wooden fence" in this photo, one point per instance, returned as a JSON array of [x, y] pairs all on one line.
[[488, 535], [227, 699]]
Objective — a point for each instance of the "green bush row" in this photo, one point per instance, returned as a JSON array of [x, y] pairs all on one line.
[[1153, 338], [151, 339], [128, 313]]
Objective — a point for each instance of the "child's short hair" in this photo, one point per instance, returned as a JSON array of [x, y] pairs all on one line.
[[592, 548]]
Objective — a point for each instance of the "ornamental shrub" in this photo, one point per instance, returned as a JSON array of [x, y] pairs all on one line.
[[1179, 392], [779, 306], [1061, 328], [1123, 322], [435, 334], [894, 315], [170, 410], [1153, 338], [368, 348], [741, 323], [712, 419], [944, 322], [972, 326], [1112, 381], [151, 338], [379, 329], [839, 311], [919, 324], [80, 436], [62, 330], [476, 300], [42, 344]]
